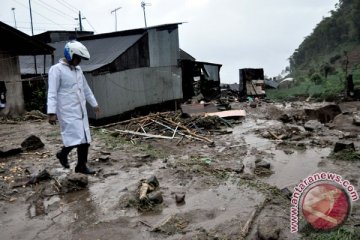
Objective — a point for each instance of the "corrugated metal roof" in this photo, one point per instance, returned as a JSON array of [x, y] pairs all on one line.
[[15, 42], [103, 51]]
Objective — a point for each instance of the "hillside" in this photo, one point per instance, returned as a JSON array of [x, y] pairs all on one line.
[[329, 54]]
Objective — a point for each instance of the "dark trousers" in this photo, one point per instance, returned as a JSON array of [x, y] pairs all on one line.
[[82, 152]]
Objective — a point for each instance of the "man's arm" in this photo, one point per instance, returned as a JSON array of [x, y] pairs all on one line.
[[90, 98], [54, 83]]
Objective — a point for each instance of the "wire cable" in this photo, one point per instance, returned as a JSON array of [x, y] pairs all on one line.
[[90, 24], [70, 5], [40, 15], [54, 10], [70, 8]]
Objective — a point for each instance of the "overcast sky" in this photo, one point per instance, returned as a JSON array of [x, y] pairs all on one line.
[[235, 33]]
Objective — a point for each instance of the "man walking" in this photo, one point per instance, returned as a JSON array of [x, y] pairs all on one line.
[[67, 96]]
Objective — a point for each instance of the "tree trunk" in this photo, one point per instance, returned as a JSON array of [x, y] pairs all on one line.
[[10, 74]]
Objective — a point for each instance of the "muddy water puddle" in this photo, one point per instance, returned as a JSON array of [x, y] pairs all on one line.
[[288, 167]]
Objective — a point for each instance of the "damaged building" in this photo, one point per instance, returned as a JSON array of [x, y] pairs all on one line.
[[136, 68], [14, 43], [251, 82], [199, 78], [128, 69]]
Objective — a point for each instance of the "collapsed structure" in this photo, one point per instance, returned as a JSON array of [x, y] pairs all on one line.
[[251, 82]]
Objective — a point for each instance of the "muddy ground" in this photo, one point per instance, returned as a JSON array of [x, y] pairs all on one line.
[[226, 196]]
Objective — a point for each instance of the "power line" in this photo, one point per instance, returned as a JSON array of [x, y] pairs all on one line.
[[90, 25], [70, 5], [54, 10], [40, 15], [67, 6], [40, 23]]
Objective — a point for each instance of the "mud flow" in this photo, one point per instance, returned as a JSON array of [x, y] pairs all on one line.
[[224, 180]]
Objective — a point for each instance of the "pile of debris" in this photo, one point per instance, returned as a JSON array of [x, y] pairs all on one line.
[[170, 125]]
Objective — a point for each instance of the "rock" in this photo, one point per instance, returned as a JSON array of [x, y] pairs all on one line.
[[253, 104], [339, 146], [288, 151], [324, 114], [285, 118], [74, 182], [179, 198], [350, 135], [32, 143], [231, 166], [248, 176], [312, 125], [9, 151], [141, 156], [155, 197], [172, 225], [105, 152], [268, 229], [356, 120], [42, 176], [287, 193], [153, 181], [104, 158], [106, 175], [262, 164]]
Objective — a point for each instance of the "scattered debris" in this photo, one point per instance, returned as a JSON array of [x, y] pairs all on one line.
[[147, 186], [229, 114], [42, 176], [167, 126], [35, 115]]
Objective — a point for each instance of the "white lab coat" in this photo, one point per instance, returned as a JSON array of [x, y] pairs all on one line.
[[67, 96]]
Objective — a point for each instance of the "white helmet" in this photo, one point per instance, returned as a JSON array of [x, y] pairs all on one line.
[[77, 48]]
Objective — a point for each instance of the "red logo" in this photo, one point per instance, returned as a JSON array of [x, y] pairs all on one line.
[[325, 206]]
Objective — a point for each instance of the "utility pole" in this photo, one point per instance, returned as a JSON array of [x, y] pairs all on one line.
[[114, 11], [13, 9], [32, 34], [31, 20], [80, 23], [143, 5]]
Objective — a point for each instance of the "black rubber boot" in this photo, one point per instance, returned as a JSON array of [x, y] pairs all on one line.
[[62, 155], [81, 167]]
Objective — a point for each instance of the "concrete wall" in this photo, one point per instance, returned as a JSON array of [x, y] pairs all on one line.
[[164, 47], [123, 91], [10, 74]]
